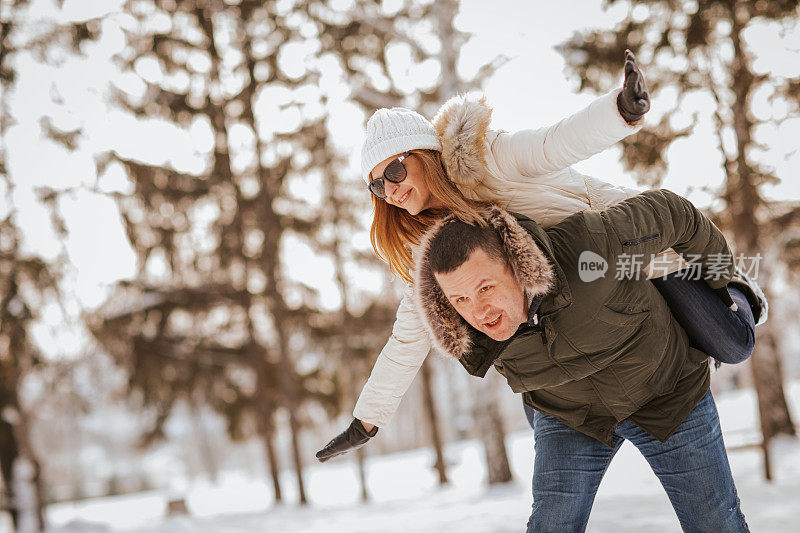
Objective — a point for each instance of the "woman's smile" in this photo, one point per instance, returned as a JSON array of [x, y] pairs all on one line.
[[399, 199]]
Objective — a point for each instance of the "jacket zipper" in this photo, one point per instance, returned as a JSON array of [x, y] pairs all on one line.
[[640, 240], [538, 326], [541, 316]]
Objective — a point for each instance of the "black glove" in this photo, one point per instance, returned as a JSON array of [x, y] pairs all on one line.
[[725, 296], [634, 100], [352, 438]]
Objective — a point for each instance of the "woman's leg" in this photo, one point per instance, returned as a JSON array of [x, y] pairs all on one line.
[[727, 336]]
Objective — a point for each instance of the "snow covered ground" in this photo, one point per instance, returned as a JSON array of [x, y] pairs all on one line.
[[405, 495]]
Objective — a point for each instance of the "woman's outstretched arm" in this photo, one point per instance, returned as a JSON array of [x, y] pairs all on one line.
[[395, 367], [598, 126], [392, 374]]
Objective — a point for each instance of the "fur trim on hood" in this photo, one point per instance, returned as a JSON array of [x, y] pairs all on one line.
[[531, 266], [462, 123]]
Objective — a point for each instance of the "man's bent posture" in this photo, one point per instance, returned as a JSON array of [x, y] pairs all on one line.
[[592, 346]]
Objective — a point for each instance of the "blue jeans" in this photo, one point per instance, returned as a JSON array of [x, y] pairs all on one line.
[[692, 466], [725, 335]]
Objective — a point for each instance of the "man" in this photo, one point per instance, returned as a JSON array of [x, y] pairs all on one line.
[[597, 355]]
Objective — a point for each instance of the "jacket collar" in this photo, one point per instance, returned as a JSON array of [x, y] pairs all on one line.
[[462, 123], [532, 261], [560, 295]]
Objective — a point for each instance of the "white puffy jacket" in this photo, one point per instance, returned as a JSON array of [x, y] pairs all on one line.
[[527, 172]]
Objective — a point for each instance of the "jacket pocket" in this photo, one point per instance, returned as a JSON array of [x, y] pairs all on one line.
[[571, 412], [527, 365], [509, 371], [629, 317], [606, 332]]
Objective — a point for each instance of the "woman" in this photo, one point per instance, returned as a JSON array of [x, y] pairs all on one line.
[[418, 170]]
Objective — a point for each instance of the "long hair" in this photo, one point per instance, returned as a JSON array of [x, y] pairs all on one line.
[[394, 231]]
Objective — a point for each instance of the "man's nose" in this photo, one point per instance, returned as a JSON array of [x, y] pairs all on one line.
[[482, 309]]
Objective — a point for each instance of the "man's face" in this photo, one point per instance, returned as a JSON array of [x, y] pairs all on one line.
[[486, 294]]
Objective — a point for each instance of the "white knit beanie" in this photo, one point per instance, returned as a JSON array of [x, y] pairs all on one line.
[[393, 132]]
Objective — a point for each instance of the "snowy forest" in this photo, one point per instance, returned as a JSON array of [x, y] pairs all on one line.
[[190, 303]]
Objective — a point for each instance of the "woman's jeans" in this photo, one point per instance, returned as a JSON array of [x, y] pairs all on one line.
[[692, 466], [727, 336]]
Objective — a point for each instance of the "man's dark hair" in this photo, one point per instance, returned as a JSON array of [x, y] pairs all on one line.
[[455, 242]]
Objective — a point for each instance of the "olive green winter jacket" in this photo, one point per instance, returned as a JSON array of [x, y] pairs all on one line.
[[595, 350]]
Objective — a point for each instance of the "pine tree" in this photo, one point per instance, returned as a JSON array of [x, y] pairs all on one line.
[[219, 308], [701, 46], [362, 40], [27, 282]]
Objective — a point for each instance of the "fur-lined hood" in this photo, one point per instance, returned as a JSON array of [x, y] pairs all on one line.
[[462, 123], [530, 257]]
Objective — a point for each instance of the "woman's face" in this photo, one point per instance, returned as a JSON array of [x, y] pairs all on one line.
[[411, 194]]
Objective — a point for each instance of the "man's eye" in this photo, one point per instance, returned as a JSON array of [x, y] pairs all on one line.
[[460, 299], [486, 288]]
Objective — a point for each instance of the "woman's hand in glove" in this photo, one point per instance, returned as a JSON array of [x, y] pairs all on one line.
[[634, 100], [352, 438]]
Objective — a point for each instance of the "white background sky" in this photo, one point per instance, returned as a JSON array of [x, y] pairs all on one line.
[[531, 90]]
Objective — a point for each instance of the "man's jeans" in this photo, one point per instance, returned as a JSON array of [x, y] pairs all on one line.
[[725, 335], [692, 466]]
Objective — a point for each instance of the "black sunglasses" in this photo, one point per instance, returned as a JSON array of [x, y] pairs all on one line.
[[394, 172]]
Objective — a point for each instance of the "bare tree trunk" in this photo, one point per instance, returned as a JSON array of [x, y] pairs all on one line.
[[27, 495], [350, 381], [490, 425], [204, 447], [743, 199], [430, 411], [362, 473], [269, 447], [767, 378], [20, 468], [265, 408], [9, 452], [21, 473], [286, 377]]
